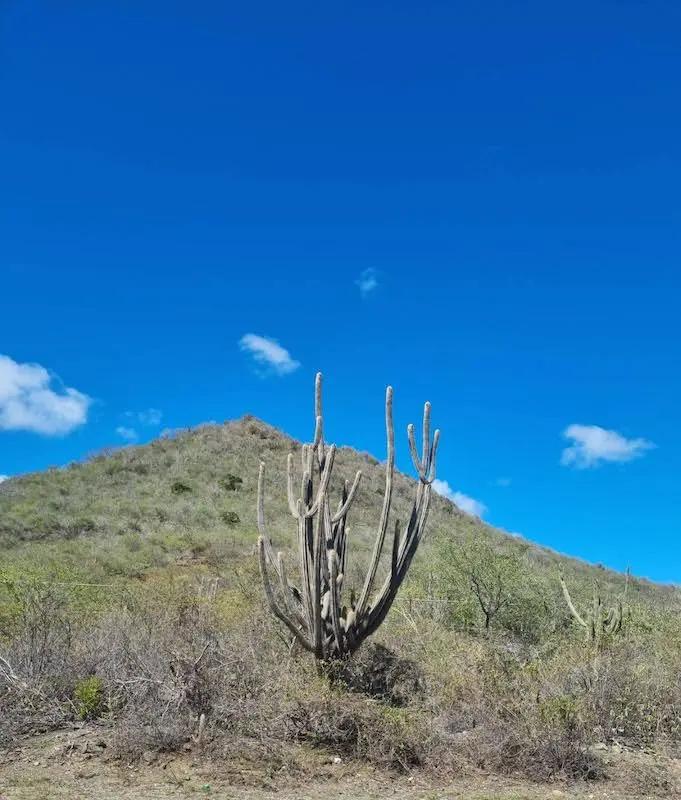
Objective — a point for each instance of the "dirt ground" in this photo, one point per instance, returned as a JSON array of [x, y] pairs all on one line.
[[75, 765]]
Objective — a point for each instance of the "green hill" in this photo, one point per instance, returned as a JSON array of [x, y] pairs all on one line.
[[195, 490], [130, 599]]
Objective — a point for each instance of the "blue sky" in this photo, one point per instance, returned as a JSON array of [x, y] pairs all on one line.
[[478, 203]]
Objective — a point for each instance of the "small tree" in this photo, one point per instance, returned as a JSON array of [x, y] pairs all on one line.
[[475, 582], [491, 576], [315, 612]]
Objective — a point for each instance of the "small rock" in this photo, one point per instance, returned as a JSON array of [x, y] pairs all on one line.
[[148, 757], [337, 760]]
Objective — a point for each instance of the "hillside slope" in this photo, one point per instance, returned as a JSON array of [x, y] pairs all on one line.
[[197, 488], [130, 605]]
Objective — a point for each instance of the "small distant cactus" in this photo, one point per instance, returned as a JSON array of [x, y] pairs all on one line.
[[598, 621], [315, 613]]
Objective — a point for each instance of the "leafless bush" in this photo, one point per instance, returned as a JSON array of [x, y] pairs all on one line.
[[528, 743], [171, 651], [379, 672], [636, 699], [43, 629], [359, 728]]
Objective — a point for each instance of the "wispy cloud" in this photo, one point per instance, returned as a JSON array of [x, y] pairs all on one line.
[[268, 353], [31, 399], [129, 434], [592, 446], [466, 503], [503, 482], [150, 417], [367, 282]]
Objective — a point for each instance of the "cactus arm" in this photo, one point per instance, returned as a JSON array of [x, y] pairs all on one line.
[[424, 466], [613, 622], [319, 542], [345, 506], [326, 543], [335, 602], [387, 500], [272, 602], [324, 482], [597, 617], [396, 548], [304, 558], [433, 457], [416, 461], [290, 475], [385, 599], [571, 605], [425, 459], [291, 602], [318, 413]]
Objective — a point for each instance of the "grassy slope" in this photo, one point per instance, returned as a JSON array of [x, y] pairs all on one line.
[[128, 568], [128, 510]]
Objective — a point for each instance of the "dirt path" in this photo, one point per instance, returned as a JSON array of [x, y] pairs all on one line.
[[74, 766]]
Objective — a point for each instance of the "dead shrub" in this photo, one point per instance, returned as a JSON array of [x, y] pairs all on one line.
[[362, 729], [379, 672]]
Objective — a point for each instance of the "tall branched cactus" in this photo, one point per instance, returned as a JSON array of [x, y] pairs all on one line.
[[598, 621], [315, 613]]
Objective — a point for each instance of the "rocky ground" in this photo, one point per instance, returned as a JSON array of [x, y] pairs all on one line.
[[78, 765]]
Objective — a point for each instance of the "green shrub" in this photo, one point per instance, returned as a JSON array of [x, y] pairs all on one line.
[[178, 487], [230, 518], [88, 697], [230, 483]]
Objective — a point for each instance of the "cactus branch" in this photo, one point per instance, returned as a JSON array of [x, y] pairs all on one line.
[[598, 621]]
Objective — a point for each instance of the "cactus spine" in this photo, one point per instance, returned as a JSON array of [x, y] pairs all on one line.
[[315, 613], [598, 621]]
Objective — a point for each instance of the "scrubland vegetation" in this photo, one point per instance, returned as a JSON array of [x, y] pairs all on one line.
[[130, 599]]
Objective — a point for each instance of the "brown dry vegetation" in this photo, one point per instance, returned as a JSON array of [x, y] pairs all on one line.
[[130, 602]]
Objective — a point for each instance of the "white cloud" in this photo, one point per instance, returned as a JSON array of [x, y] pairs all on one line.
[[468, 504], [269, 353], [4, 478], [150, 417], [593, 445], [28, 403], [367, 282], [129, 434]]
